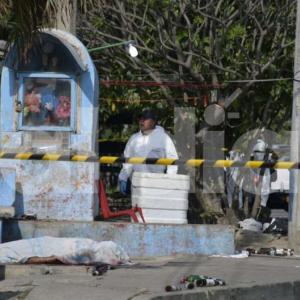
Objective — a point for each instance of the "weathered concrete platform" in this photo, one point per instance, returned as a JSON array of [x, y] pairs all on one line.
[[139, 240], [253, 278]]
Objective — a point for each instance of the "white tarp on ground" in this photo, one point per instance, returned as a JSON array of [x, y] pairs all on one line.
[[67, 250]]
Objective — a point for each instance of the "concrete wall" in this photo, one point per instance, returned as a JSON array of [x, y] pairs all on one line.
[[55, 190], [136, 239]]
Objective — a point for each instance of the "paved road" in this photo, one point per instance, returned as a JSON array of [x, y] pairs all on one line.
[[147, 280]]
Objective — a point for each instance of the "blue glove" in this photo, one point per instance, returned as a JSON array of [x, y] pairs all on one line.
[[123, 187]]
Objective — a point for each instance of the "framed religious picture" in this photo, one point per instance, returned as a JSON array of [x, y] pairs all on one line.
[[48, 102]]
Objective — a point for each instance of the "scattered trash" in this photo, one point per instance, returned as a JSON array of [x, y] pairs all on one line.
[[273, 251], [250, 224], [242, 254], [100, 268], [192, 281], [180, 287], [46, 270], [265, 226], [173, 288], [277, 225], [74, 251], [28, 217], [202, 280]]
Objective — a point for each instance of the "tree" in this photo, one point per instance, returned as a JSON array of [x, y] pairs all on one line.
[[20, 20], [232, 43]]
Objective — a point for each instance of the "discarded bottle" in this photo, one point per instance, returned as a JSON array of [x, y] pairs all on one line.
[[280, 252], [284, 252], [172, 288], [100, 269], [251, 251], [185, 286], [200, 281], [209, 282], [272, 251], [266, 251], [290, 252], [190, 285], [220, 281], [192, 278]]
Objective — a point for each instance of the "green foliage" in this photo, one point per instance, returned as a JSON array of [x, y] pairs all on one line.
[[236, 31], [98, 22], [225, 42]]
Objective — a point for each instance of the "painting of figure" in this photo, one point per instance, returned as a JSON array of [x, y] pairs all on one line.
[[47, 102]]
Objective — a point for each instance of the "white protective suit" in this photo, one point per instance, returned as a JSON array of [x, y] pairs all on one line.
[[232, 175], [259, 151], [157, 144]]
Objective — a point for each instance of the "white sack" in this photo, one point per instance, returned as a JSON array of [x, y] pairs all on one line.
[[251, 224]]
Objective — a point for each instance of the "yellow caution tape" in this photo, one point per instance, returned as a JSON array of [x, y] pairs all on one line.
[[156, 161], [223, 163], [23, 155], [79, 158], [136, 160], [51, 156], [195, 162], [108, 159], [165, 161]]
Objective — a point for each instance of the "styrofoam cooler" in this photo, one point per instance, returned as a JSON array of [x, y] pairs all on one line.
[[162, 197]]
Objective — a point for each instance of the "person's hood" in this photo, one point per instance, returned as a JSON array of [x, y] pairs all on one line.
[[158, 129]]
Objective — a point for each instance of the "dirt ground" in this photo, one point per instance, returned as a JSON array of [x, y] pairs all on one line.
[[251, 239]]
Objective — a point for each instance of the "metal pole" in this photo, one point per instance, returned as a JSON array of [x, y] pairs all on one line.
[[109, 46], [294, 200]]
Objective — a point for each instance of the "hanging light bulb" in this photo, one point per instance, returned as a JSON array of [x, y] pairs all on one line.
[[129, 45], [133, 52]]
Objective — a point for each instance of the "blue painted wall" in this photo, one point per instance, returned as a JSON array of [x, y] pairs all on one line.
[[137, 239], [7, 187]]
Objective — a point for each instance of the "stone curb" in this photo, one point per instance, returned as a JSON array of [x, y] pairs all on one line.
[[273, 291]]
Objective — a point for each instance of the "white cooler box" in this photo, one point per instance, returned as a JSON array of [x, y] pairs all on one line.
[[162, 197]]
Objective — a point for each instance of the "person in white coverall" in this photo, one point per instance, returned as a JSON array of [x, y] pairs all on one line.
[[263, 177], [152, 142]]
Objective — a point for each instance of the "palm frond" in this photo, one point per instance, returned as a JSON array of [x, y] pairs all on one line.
[[5, 7]]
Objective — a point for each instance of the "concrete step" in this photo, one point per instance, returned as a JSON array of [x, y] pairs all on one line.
[[143, 240]]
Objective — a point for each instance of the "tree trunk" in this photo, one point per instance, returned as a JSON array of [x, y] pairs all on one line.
[[66, 16]]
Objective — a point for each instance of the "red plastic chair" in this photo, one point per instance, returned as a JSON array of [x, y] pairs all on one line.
[[107, 213]]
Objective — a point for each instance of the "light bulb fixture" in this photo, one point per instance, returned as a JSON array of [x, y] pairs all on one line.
[[133, 52], [130, 47]]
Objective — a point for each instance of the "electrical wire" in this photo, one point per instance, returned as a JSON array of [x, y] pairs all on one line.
[[195, 99], [160, 84], [188, 84], [260, 80]]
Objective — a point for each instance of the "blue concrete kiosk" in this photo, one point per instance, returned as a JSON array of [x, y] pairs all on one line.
[[49, 103]]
